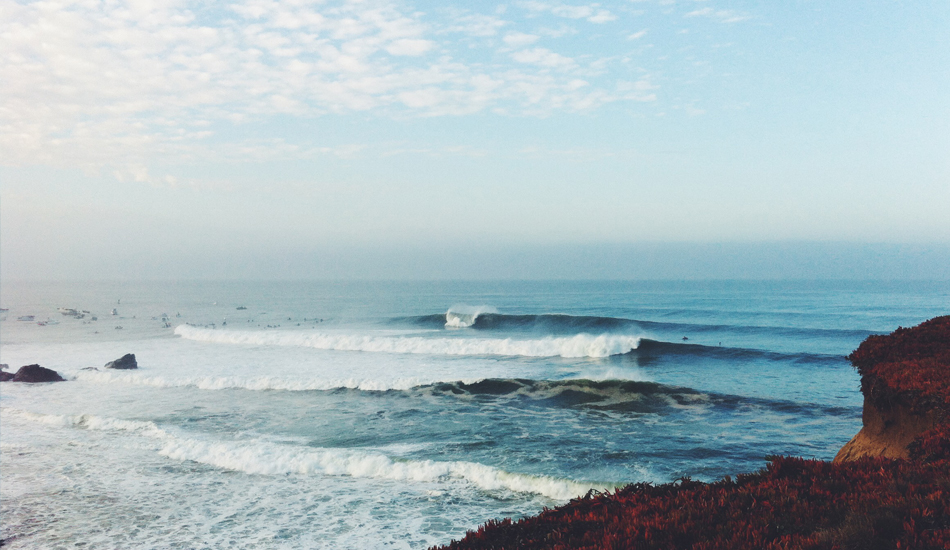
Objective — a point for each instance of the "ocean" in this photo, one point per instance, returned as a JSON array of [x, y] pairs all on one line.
[[402, 414]]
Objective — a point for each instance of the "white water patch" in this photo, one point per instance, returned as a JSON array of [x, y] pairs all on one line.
[[273, 459], [266, 458], [88, 422], [580, 345], [464, 316], [255, 383]]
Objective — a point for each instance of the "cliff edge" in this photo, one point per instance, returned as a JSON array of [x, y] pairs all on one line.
[[889, 487]]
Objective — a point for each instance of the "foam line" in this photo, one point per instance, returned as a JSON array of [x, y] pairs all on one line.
[[256, 383]]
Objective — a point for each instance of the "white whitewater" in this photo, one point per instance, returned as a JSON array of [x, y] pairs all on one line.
[[580, 345]]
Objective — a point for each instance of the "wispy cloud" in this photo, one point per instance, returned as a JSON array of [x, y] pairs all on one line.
[[590, 12], [724, 16], [98, 84]]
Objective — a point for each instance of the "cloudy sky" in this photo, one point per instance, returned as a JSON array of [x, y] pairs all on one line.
[[296, 138]]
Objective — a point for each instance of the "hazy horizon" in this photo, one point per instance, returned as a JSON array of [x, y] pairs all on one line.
[[643, 261]]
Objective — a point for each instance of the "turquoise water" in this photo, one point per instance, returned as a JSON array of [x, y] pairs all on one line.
[[400, 415]]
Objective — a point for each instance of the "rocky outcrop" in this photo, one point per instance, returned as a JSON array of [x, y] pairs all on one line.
[[6, 376], [125, 362], [886, 433], [905, 379], [34, 374]]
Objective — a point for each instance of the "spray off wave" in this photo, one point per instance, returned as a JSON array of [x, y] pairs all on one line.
[[580, 345], [265, 458]]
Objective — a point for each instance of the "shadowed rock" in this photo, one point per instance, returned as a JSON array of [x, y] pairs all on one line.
[[125, 362], [35, 373], [6, 376]]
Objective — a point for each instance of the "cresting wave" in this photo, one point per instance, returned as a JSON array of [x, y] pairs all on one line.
[[580, 345], [463, 316], [266, 458]]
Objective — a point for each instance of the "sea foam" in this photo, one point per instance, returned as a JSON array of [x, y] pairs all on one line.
[[256, 383], [580, 345], [257, 457]]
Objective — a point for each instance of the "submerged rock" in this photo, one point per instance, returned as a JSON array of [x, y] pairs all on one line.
[[127, 361], [34, 373]]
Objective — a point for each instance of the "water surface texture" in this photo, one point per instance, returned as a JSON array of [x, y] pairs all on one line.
[[400, 415]]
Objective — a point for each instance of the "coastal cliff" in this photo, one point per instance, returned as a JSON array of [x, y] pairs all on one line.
[[889, 487], [886, 433]]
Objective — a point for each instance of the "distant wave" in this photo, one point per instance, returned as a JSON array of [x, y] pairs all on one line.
[[267, 458], [579, 345], [556, 323]]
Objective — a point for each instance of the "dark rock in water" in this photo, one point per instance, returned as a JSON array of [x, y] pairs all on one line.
[[127, 361], [6, 376], [89, 368], [36, 373]]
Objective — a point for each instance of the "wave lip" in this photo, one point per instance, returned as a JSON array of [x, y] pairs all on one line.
[[464, 316], [579, 345]]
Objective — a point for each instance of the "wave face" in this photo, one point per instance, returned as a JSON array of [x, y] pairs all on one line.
[[488, 318], [580, 345]]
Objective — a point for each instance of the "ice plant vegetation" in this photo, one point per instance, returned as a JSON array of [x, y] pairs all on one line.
[[868, 503]]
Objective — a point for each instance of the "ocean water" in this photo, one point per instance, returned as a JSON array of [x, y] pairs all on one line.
[[402, 414]]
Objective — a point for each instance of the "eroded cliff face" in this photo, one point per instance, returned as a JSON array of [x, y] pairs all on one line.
[[887, 432]]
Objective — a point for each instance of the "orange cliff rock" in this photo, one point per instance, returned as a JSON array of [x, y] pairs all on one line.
[[886, 432], [906, 384]]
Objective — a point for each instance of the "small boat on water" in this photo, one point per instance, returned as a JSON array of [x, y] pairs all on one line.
[[114, 312], [26, 318], [68, 311]]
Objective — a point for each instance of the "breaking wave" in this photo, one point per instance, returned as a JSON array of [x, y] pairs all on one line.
[[266, 458], [579, 345], [463, 316], [487, 318]]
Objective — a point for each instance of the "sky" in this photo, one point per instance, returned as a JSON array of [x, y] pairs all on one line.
[[529, 139]]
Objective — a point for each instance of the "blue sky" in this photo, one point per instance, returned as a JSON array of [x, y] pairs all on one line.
[[187, 134]]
